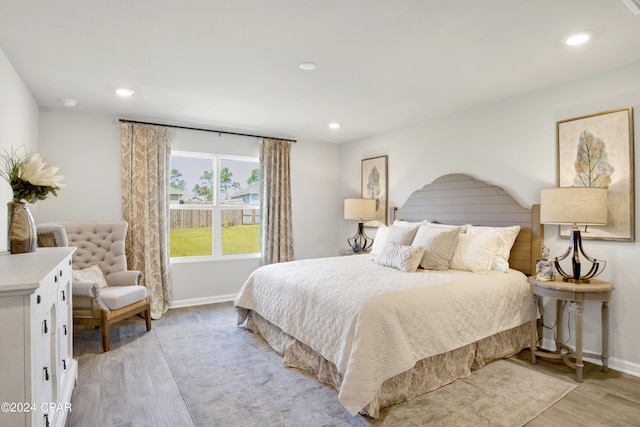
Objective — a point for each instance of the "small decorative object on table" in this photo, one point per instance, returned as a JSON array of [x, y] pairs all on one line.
[[30, 181], [544, 266]]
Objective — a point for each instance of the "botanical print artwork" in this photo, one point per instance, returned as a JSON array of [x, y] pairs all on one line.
[[374, 186], [592, 162], [597, 151]]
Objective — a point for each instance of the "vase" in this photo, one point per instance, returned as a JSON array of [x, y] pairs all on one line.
[[21, 228]]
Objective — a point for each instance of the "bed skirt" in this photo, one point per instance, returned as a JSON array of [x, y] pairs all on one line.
[[427, 375]]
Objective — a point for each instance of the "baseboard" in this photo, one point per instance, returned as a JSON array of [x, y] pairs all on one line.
[[202, 301], [616, 364]]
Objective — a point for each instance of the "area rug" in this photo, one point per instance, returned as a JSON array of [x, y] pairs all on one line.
[[231, 377]]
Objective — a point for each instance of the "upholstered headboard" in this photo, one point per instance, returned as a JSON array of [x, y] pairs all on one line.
[[460, 199]]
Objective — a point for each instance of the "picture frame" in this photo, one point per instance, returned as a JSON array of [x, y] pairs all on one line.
[[374, 185], [601, 143]]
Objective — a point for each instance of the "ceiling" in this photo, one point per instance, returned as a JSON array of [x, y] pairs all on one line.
[[234, 65]]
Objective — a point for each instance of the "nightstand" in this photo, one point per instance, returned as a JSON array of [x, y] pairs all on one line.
[[596, 290]]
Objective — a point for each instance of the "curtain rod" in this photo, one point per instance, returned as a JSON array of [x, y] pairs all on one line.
[[204, 130]]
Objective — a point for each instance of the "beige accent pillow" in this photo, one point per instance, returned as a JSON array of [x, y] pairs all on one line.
[[474, 252], [439, 244], [506, 239], [92, 274], [402, 257]]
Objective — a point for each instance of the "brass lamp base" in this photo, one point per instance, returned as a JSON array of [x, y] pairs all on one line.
[[360, 241], [575, 248]]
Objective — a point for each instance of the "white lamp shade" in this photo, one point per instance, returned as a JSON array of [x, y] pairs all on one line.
[[573, 206], [359, 209]]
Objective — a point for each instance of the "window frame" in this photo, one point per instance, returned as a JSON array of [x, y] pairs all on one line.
[[216, 208]]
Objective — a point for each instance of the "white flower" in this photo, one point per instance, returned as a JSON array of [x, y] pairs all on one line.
[[35, 173]]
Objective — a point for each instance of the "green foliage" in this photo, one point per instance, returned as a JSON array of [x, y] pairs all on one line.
[[206, 190], [225, 180], [176, 182], [241, 239], [255, 177]]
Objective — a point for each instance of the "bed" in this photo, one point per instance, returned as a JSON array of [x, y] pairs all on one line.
[[381, 331]]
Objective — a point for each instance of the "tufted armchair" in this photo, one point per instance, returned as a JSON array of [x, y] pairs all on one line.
[[105, 294]]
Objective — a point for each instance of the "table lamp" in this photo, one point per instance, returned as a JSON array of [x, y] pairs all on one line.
[[361, 210], [575, 206]]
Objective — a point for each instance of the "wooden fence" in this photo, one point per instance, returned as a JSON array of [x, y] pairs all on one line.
[[199, 218]]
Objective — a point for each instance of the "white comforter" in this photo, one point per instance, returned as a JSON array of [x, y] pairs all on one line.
[[374, 322]]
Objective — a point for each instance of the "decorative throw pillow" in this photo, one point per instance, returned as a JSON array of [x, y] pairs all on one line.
[[506, 239], [379, 240], [402, 257], [401, 235], [439, 244], [92, 274], [474, 252]]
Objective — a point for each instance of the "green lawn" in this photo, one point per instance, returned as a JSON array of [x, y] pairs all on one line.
[[240, 239]]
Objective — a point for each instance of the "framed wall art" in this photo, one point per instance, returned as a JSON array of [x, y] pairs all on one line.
[[597, 151], [374, 186]]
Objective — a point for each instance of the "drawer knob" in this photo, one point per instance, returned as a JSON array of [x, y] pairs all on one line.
[[46, 373], [65, 329], [60, 273], [46, 420], [64, 364], [45, 328], [64, 297], [55, 279], [38, 299]]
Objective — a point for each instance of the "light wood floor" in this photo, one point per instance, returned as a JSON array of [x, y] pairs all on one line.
[[134, 371]]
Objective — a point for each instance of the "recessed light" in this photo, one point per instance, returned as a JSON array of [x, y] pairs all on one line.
[[577, 38], [69, 102], [307, 66], [334, 125], [124, 92]]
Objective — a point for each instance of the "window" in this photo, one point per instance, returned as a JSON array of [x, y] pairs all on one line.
[[215, 205]]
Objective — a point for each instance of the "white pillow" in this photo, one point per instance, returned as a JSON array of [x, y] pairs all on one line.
[[380, 240], [439, 244], [402, 257], [474, 252], [92, 274], [401, 235], [506, 239], [461, 228], [403, 223]]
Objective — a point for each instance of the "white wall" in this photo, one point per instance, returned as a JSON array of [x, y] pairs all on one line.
[[513, 144], [18, 126], [86, 148]]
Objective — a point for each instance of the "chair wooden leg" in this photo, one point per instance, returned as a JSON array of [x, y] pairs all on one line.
[[104, 328], [147, 317]]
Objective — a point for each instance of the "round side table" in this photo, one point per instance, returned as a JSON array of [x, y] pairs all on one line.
[[595, 290]]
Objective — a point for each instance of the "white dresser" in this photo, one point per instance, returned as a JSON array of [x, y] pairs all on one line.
[[37, 368]]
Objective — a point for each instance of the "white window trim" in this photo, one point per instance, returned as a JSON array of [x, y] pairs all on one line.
[[216, 207]]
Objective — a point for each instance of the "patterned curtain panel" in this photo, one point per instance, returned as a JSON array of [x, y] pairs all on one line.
[[146, 154], [275, 199]]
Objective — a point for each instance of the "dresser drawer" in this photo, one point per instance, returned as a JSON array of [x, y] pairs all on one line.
[[64, 294], [47, 289]]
